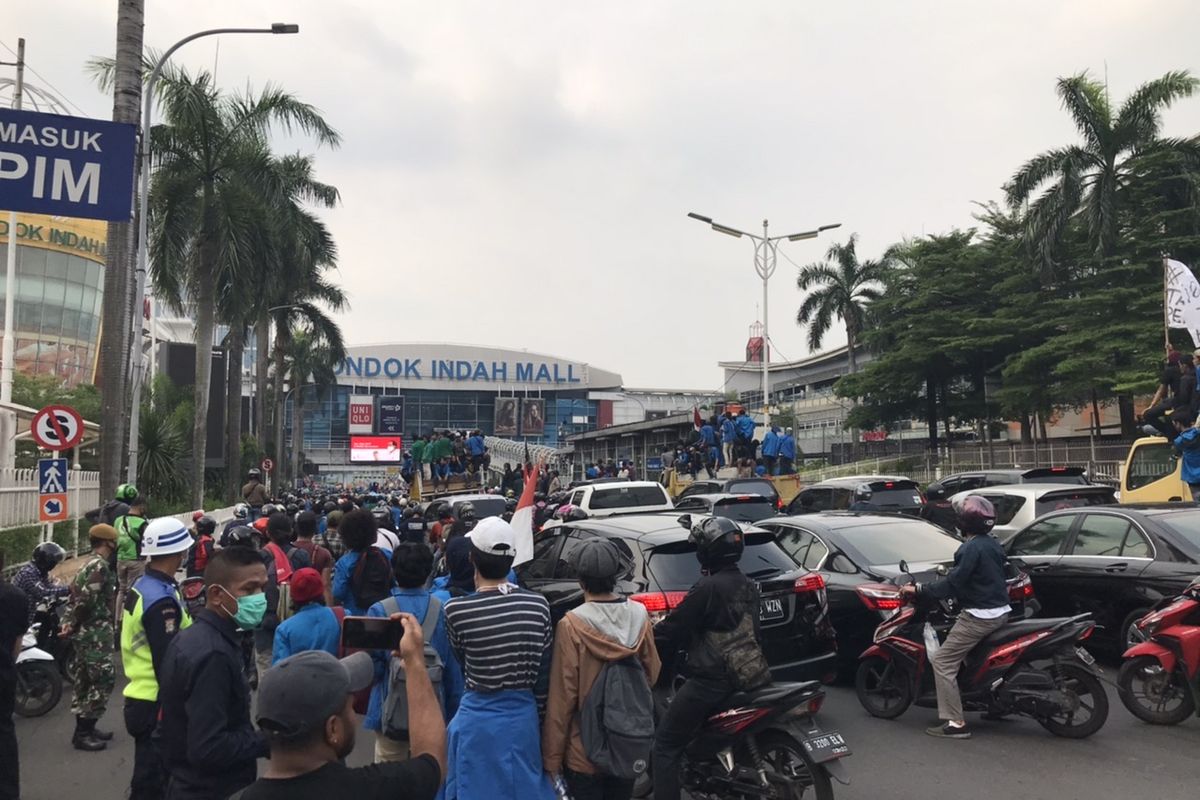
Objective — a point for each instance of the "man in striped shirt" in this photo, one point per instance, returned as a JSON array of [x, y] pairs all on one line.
[[503, 638]]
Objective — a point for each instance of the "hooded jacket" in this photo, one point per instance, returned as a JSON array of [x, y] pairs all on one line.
[[770, 445], [585, 639]]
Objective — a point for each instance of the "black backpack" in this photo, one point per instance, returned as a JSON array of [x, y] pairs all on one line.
[[372, 578], [616, 722]]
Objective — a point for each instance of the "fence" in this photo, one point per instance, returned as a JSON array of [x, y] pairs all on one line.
[[921, 468], [507, 451], [19, 495]]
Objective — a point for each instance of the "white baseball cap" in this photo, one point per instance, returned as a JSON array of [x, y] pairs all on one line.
[[494, 536]]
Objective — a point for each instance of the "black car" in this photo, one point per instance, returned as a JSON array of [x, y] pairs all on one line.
[[760, 486], [1114, 562], [737, 507], [966, 481], [797, 637], [870, 493], [850, 549]]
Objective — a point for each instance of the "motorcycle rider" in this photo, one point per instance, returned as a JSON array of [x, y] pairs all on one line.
[[718, 624], [255, 495], [34, 578], [977, 582]]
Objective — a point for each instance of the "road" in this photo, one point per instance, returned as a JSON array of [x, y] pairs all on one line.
[[892, 760]]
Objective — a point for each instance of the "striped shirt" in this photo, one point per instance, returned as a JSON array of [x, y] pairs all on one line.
[[503, 641]]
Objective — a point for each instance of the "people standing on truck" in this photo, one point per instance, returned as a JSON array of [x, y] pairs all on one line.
[[787, 453], [255, 494], [1187, 444], [770, 449], [745, 433], [1154, 417], [728, 438]]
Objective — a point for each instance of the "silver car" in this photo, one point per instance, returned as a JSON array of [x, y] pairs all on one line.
[[1019, 504]]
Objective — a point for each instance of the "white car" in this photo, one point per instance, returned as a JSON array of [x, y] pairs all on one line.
[[1019, 504], [606, 498]]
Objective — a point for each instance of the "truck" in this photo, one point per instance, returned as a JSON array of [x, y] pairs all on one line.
[[1152, 473]]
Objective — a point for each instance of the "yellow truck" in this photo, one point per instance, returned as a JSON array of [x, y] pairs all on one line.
[[1151, 473], [787, 486]]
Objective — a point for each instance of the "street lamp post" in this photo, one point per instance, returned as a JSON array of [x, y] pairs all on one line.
[[766, 249], [135, 344]]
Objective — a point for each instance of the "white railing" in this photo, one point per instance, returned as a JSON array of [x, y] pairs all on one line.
[[19, 495]]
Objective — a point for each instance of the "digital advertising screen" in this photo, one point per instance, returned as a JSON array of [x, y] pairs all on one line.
[[376, 450]]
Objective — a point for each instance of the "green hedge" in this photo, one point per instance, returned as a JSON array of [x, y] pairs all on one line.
[[17, 543]]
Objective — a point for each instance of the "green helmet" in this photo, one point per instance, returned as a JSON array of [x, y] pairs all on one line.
[[126, 492]]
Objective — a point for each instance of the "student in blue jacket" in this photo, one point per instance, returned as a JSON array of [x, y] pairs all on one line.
[[1187, 444], [313, 626]]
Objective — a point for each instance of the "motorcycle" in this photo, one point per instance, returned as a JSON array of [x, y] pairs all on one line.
[[39, 682], [1159, 680], [47, 620], [1036, 667], [192, 590], [764, 744]]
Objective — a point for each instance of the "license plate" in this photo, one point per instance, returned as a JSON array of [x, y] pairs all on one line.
[[1085, 656], [826, 746], [770, 608]]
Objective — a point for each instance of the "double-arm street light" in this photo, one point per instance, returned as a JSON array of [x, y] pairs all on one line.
[[766, 249], [203, 349]]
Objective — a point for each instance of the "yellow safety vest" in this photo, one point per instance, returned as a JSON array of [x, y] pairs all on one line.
[[135, 648]]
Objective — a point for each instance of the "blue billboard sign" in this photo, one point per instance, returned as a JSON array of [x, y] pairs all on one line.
[[66, 166]]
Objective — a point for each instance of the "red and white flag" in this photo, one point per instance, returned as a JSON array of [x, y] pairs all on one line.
[[522, 519], [697, 420]]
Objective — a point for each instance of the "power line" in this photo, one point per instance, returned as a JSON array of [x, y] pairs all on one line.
[[46, 81]]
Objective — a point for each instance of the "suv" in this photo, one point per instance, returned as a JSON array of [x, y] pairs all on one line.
[[486, 505], [760, 486], [737, 507], [620, 497], [966, 481], [796, 635], [1018, 506], [874, 493]]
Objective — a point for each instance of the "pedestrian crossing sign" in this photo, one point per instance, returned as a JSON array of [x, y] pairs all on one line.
[[52, 475]]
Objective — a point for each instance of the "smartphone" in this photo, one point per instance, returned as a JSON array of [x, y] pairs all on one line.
[[371, 633]]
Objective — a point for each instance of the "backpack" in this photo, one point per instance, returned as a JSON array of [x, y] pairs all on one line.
[[741, 654], [286, 564], [394, 721], [371, 580], [616, 721]]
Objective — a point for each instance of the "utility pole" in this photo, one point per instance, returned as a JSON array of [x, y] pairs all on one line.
[[8, 420]]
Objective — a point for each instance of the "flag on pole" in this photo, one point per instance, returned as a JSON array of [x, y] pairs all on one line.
[[522, 518], [697, 420], [1183, 299]]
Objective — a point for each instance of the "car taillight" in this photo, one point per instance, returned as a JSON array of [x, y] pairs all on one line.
[[879, 596], [812, 582], [779, 503], [659, 603], [1021, 591]]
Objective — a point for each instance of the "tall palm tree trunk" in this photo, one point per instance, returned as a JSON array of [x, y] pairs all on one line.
[[282, 335], [205, 324], [118, 286], [262, 360], [297, 434], [235, 348]]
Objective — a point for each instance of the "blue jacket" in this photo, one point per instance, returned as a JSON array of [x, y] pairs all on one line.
[[475, 445], [787, 447], [745, 426], [415, 602], [343, 570], [728, 431], [770, 445], [708, 434], [1188, 445], [312, 627]]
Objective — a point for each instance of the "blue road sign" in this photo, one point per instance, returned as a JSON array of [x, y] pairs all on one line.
[[52, 475], [66, 166]]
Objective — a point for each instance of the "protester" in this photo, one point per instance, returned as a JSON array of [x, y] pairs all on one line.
[[604, 630], [313, 626], [1187, 444], [331, 539], [88, 623], [281, 559], [411, 564], [459, 580], [728, 438], [770, 449], [503, 638], [14, 615], [255, 494], [1154, 417], [787, 454], [306, 711], [320, 557], [153, 616], [129, 549], [34, 578], [744, 424], [363, 576], [209, 745]]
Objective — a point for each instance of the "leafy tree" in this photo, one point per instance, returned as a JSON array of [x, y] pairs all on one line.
[[842, 287], [310, 362]]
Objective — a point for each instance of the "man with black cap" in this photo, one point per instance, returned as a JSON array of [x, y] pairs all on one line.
[[306, 710]]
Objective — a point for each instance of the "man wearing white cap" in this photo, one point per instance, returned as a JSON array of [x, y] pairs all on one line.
[[503, 639]]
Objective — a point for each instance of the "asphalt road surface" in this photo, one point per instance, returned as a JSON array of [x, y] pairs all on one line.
[[892, 760]]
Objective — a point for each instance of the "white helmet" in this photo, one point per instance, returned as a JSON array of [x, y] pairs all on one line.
[[241, 511], [164, 536]]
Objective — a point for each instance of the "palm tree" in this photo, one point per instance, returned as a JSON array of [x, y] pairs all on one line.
[[845, 287], [213, 167], [310, 360], [1089, 180]]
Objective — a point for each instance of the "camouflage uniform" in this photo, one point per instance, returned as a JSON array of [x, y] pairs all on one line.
[[90, 616]]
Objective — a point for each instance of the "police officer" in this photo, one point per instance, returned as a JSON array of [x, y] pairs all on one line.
[[154, 612], [89, 622]]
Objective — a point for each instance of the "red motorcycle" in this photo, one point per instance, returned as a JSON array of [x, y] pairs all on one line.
[[1036, 667], [1159, 681]]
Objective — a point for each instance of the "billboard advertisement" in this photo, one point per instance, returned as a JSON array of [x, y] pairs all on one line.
[[506, 416], [362, 413], [390, 415], [533, 416], [376, 449]]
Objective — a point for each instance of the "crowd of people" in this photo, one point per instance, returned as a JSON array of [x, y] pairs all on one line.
[[728, 441]]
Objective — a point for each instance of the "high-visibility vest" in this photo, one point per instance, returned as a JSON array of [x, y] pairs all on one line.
[[135, 648]]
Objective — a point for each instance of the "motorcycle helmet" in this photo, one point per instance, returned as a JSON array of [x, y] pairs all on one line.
[[510, 494], [47, 556], [718, 542], [466, 513], [292, 509], [242, 536], [126, 493], [241, 511], [205, 526], [196, 515], [269, 508], [976, 515], [254, 473]]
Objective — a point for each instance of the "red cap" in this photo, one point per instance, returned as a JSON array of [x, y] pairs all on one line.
[[306, 585]]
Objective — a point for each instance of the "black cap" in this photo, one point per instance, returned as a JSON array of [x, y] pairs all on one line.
[[597, 558], [302, 691]]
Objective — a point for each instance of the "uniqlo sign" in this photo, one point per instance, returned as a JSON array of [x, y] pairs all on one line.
[[362, 413]]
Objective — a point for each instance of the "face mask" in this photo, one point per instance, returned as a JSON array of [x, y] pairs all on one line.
[[250, 610]]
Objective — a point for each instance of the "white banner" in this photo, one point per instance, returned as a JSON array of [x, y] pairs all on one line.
[[1183, 299]]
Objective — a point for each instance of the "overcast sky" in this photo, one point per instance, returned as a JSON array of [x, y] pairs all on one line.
[[519, 173]]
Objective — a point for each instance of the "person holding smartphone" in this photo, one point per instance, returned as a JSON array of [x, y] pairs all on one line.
[[306, 711]]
